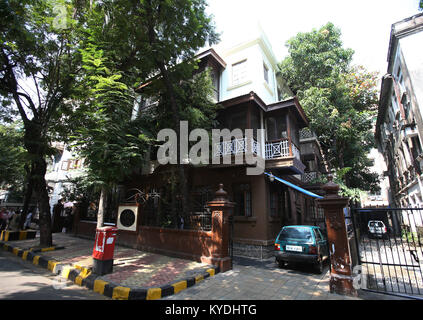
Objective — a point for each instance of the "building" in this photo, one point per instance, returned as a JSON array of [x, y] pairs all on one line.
[[62, 169], [379, 199], [399, 127], [253, 96]]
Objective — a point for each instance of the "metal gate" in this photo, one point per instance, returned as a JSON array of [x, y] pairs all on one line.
[[390, 249]]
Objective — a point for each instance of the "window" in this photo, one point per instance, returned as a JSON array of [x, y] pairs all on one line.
[[266, 72], [65, 166], [273, 204], [239, 72], [214, 74], [317, 235], [242, 198]]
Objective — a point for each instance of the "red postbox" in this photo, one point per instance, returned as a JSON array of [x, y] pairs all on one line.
[[104, 247]]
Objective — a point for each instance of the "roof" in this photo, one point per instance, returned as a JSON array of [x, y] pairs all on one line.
[[400, 30], [207, 54]]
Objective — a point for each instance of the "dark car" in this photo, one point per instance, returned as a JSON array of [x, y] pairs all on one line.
[[301, 244]]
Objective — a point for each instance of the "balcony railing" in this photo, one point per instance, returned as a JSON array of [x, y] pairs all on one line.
[[280, 149], [310, 176], [306, 133], [237, 146], [277, 149], [272, 150]]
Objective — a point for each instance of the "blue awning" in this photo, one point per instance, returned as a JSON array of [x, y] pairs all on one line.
[[289, 184]]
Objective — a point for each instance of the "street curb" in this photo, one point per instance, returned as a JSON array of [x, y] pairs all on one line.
[[84, 277], [8, 235]]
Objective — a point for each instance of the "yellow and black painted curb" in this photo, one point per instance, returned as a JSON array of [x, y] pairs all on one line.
[[7, 235], [84, 277]]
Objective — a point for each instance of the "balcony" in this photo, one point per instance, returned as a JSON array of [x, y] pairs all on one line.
[[279, 154], [307, 177]]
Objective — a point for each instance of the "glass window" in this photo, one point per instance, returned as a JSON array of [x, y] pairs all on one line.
[[266, 72], [317, 235], [295, 233], [239, 72], [242, 198]]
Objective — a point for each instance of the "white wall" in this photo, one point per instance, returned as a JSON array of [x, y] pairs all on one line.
[[255, 51], [412, 49]]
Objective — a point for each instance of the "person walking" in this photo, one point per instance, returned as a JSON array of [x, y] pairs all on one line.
[[14, 221], [3, 219], [28, 220]]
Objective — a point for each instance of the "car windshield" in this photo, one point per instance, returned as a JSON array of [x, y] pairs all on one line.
[[295, 233], [376, 224]]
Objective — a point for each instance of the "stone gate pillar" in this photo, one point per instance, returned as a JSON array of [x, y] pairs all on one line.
[[221, 211], [341, 280]]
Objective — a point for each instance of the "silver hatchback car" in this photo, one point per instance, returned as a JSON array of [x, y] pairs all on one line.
[[377, 229]]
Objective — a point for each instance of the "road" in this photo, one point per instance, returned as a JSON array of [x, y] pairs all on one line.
[[20, 280]]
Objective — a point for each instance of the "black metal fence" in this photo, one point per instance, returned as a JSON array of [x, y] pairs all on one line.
[[390, 249]]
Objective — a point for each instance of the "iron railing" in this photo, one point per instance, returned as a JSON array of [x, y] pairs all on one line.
[[390, 249]]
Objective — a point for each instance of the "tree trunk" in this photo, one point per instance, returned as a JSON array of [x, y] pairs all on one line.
[[36, 146], [101, 207], [40, 186], [27, 197]]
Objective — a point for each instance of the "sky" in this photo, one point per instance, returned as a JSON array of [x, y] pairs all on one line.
[[365, 24]]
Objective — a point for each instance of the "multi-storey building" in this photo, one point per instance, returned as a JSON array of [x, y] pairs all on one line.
[[253, 96], [63, 167], [399, 127]]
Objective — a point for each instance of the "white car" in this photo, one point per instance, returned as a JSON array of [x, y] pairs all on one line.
[[377, 229]]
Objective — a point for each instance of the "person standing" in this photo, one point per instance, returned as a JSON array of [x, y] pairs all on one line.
[[28, 220], [3, 219], [57, 213]]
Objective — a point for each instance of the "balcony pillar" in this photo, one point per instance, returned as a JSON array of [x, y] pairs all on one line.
[[341, 280]]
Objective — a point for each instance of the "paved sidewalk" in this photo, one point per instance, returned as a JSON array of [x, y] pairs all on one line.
[[252, 279], [152, 275], [141, 275]]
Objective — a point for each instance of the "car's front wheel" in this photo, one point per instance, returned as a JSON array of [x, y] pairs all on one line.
[[281, 264]]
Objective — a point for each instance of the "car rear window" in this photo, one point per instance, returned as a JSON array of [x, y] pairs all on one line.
[[376, 224], [295, 233]]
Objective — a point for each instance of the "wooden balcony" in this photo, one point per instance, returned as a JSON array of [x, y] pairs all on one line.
[[279, 154], [284, 155]]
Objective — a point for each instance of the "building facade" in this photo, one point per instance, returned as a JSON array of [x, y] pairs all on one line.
[[252, 96], [399, 127]]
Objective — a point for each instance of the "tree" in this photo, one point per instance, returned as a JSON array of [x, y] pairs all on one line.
[[13, 157], [421, 5], [125, 43], [37, 70], [175, 30], [103, 133], [338, 98]]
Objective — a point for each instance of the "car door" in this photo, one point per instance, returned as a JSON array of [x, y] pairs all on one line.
[[322, 243]]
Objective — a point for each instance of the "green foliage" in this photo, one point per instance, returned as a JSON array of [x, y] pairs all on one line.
[[421, 5], [339, 100], [103, 132], [13, 156]]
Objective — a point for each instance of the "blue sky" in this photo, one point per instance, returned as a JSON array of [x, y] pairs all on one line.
[[365, 24]]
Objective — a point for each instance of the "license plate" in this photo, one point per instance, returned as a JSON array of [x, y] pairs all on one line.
[[294, 248]]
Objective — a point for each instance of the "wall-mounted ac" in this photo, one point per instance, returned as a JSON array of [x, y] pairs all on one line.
[[127, 217]]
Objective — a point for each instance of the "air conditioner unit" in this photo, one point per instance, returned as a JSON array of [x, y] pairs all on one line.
[[127, 217]]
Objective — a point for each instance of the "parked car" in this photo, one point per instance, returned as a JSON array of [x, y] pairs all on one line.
[[301, 244], [377, 229]]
